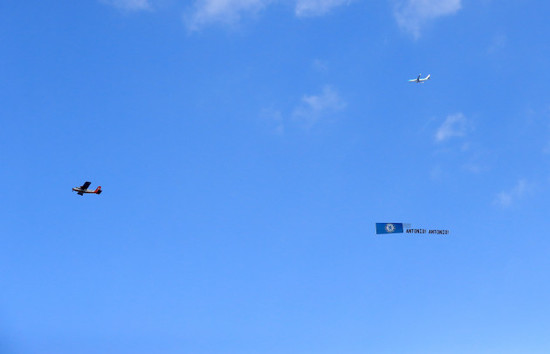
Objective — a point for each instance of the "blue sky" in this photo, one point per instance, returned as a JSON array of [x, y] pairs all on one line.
[[246, 149]]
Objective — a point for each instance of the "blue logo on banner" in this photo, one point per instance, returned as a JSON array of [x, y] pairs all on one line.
[[389, 228]]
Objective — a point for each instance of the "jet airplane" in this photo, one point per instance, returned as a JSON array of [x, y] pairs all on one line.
[[84, 189], [420, 80]]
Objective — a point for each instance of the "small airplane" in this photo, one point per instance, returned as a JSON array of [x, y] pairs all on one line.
[[420, 80], [84, 189]]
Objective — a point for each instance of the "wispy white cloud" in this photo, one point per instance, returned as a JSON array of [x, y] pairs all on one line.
[[456, 147], [275, 120], [305, 8], [320, 65], [307, 113], [230, 12], [507, 198], [227, 12], [456, 125], [131, 5], [498, 43], [203, 13], [412, 15], [314, 107]]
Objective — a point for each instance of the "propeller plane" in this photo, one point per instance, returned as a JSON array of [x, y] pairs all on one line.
[[84, 189]]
